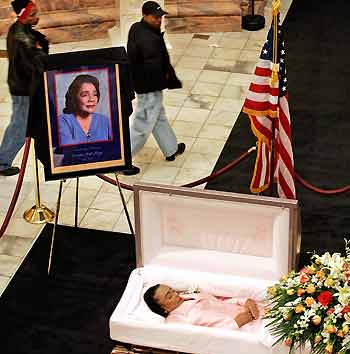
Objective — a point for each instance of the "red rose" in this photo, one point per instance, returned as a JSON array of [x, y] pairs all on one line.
[[325, 298], [345, 310]]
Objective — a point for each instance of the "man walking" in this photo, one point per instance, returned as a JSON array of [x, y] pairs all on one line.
[[27, 53], [151, 73]]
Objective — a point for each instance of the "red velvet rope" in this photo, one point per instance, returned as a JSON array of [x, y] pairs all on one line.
[[234, 163], [130, 188], [195, 183], [17, 189], [112, 181], [223, 170], [312, 188]]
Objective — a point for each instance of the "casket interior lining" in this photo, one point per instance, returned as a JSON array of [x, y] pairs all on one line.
[[214, 235]]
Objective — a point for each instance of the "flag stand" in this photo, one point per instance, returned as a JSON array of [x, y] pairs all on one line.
[[253, 22]]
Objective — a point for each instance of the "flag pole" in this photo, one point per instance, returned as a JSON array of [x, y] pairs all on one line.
[[274, 80]]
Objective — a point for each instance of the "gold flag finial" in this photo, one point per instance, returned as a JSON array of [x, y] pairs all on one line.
[[276, 4]]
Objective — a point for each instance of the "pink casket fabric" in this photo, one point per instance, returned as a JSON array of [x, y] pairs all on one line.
[[209, 311]]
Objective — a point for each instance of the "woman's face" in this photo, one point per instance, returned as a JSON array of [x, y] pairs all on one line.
[[87, 98], [167, 298], [32, 17]]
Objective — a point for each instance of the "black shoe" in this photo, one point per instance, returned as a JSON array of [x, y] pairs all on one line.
[[11, 171], [180, 150], [133, 170]]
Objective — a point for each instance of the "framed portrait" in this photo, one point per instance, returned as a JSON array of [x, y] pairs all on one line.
[[86, 124]]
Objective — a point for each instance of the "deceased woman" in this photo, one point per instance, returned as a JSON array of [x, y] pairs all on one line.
[[200, 309]]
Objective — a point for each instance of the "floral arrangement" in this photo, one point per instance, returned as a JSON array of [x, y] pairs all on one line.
[[311, 308], [192, 289]]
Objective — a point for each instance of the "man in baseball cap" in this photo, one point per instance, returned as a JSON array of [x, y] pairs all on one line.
[[153, 8], [151, 73]]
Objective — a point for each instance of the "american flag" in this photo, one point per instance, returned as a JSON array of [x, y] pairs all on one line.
[[266, 101]]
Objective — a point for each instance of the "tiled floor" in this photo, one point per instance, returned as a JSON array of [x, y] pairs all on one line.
[[216, 73]]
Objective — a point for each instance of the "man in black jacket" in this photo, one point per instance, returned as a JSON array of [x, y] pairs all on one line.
[[151, 73], [27, 51]]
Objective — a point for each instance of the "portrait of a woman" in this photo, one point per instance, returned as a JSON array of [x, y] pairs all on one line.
[[79, 123]]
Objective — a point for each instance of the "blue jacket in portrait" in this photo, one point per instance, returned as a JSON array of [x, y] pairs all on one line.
[[70, 131]]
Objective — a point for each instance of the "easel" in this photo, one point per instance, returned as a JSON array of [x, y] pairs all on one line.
[[58, 206]]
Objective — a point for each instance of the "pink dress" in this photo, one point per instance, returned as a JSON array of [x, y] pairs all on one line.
[[207, 310]]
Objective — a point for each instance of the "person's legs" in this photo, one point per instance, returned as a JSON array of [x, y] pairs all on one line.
[[15, 132], [145, 118], [163, 132]]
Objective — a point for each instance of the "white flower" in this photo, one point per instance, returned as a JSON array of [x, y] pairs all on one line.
[[314, 279], [192, 289], [315, 306], [343, 294], [326, 259], [312, 311], [320, 284], [334, 262], [346, 340]]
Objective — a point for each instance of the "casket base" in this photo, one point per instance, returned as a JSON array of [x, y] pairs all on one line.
[[134, 349]]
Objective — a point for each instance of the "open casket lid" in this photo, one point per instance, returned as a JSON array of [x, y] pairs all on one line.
[[216, 232]]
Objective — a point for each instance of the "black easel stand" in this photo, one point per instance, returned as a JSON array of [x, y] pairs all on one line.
[[253, 22]]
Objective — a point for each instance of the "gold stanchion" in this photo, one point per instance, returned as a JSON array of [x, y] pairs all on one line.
[[39, 213], [58, 206]]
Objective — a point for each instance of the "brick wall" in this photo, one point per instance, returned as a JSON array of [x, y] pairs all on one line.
[[203, 15], [68, 20]]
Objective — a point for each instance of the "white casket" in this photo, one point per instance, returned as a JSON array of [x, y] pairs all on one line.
[[226, 244]]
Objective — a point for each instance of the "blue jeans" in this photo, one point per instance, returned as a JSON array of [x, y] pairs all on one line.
[[150, 118], [15, 132]]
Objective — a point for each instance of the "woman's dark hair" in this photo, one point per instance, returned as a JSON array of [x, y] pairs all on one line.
[[73, 90], [152, 303]]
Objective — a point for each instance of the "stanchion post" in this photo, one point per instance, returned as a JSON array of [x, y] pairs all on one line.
[[39, 213], [58, 206], [253, 22]]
